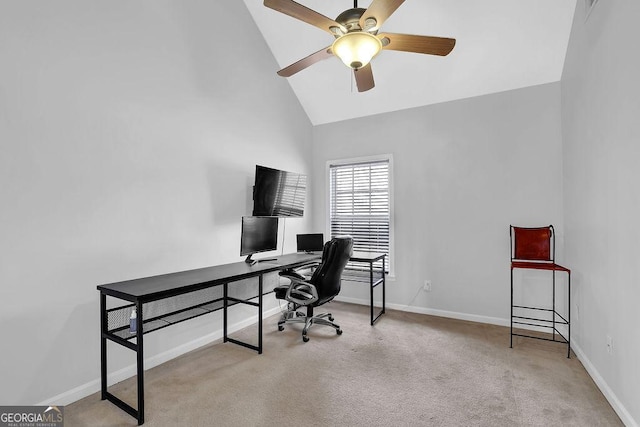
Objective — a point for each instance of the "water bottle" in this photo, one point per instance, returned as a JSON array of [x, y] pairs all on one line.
[[133, 322]]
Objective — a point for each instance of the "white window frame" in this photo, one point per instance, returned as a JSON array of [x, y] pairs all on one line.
[[390, 262]]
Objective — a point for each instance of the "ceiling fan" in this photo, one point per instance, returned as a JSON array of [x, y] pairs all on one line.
[[357, 39]]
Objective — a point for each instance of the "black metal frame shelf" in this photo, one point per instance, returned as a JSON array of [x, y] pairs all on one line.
[[162, 321], [374, 272], [543, 323]]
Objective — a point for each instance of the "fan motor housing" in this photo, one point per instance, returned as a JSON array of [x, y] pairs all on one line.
[[350, 18]]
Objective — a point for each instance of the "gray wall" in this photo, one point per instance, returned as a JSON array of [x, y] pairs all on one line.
[[600, 111], [463, 171], [129, 134]]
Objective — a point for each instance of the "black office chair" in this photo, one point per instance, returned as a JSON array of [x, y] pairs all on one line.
[[317, 290]]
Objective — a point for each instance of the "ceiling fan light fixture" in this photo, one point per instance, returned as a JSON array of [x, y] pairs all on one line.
[[356, 49]]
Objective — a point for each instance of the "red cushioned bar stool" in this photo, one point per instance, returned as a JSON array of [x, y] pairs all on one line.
[[534, 248]]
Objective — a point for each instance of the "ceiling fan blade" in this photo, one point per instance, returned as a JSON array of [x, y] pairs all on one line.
[[364, 78], [418, 44], [306, 62], [380, 10], [304, 14]]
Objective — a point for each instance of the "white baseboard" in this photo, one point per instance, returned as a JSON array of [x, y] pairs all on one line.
[[433, 312], [611, 397], [93, 386]]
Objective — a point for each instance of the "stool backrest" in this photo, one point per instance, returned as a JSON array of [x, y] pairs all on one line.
[[533, 244]]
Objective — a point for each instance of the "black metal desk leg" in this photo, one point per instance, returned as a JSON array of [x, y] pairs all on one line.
[[371, 290], [373, 282], [225, 304], [140, 362], [260, 314], [103, 346], [569, 316], [384, 282]]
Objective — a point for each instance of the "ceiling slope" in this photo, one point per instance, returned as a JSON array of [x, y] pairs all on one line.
[[500, 45]]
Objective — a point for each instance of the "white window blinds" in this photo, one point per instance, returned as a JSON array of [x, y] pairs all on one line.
[[360, 204]]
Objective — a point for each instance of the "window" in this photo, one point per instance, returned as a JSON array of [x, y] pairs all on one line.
[[360, 204]]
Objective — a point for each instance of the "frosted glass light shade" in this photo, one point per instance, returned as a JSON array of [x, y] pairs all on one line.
[[356, 49]]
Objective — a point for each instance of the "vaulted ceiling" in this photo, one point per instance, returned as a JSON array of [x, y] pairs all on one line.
[[500, 45]]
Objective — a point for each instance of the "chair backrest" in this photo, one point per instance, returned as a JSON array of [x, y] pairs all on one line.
[[533, 244], [327, 276]]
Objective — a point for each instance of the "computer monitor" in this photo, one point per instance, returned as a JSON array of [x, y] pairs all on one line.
[[259, 234], [310, 242]]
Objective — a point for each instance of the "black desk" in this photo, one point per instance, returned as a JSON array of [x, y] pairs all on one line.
[[374, 273], [368, 267], [167, 299]]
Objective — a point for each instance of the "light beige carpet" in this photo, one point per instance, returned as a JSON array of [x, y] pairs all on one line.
[[407, 370]]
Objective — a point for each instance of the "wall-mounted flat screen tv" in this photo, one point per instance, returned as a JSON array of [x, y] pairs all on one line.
[[279, 193]]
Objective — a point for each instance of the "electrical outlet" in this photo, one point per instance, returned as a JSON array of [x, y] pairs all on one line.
[[427, 286], [609, 344]]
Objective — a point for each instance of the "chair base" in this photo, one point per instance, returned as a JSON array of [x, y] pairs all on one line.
[[292, 315]]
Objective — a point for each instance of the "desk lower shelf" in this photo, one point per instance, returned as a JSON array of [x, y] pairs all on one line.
[[151, 324], [155, 323]]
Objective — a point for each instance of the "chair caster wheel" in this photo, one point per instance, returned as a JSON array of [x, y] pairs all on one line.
[[280, 328], [305, 338], [339, 331]]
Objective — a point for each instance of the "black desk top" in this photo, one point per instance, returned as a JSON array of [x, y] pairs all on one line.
[[167, 285], [367, 256]]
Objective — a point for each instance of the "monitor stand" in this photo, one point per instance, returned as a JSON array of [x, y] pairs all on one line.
[[252, 261]]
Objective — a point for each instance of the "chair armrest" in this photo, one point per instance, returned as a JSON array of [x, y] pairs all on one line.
[[301, 286], [296, 271], [292, 274]]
